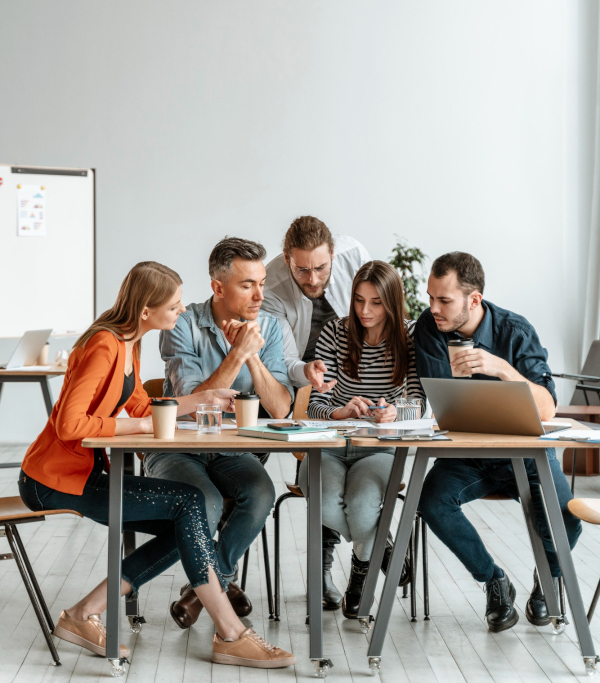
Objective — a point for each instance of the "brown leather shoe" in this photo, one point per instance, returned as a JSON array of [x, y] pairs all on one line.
[[250, 650], [186, 610]]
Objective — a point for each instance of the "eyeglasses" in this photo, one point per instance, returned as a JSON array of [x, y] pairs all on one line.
[[304, 273]]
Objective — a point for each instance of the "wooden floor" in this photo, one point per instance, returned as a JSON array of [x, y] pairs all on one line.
[[69, 557]]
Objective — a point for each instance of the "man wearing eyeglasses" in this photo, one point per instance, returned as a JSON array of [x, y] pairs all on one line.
[[307, 286]]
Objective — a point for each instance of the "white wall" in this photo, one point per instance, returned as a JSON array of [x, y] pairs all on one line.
[[453, 124]]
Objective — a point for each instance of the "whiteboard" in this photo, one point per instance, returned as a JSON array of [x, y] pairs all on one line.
[[47, 281]]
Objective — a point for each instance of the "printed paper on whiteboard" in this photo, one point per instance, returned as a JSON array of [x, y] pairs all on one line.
[[31, 211]]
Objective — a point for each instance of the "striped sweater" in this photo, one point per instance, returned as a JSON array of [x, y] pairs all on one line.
[[375, 372]]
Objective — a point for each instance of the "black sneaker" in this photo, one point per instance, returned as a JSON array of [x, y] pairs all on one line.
[[500, 612]]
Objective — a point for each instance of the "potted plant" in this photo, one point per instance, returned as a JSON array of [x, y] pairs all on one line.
[[404, 260]]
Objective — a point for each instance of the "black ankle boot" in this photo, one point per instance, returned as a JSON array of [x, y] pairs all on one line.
[[536, 610], [332, 598], [387, 555], [500, 613], [358, 574]]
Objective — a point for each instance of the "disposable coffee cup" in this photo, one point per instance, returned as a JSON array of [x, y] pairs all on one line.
[[456, 346], [164, 417], [43, 357], [246, 409]]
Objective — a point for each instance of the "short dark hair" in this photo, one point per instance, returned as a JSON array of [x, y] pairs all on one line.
[[307, 233], [227, 250], [469, 271]]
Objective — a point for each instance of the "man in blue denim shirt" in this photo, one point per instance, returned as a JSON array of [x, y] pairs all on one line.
[[506, 348], [226, 342]]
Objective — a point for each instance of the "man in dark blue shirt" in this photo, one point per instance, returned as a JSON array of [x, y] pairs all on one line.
[[507, 348]]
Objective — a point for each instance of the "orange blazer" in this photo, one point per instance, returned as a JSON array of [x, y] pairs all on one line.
[[86, 407]]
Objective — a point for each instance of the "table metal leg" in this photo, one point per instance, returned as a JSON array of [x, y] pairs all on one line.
[[539, 553], [561, 543], [315, 562], [405, 527], [115, 530], [385, 521], [47, 394]]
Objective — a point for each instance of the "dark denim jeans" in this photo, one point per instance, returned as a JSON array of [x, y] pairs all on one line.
[[239, 476], [453, 482], [174, 513]]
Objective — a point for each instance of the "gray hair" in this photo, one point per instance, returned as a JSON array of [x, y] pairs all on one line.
[[228, 249]]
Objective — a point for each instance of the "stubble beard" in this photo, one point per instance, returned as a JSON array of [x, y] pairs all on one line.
[[460, 319]]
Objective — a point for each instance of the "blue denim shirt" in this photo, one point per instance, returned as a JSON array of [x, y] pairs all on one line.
[[502, 333], [195, 348]]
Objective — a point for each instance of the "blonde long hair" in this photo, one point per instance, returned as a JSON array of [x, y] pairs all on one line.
[[148, 284]]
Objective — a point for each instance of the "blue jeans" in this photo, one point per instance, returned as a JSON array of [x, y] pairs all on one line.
[[453, 482], [239, 476], [173, 513], [354, 481]]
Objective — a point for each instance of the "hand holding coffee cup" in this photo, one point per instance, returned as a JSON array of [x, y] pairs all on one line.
[[482, 362], [456, 347], [164, 417]]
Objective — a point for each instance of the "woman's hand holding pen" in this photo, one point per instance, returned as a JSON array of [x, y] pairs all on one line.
[[383, 411]]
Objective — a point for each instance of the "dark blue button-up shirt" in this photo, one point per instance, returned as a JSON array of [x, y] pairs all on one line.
[[501, 333]]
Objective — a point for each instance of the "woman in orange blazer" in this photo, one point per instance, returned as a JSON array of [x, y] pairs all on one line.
[[102, 378]]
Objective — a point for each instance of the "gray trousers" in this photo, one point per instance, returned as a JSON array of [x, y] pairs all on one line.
[[354, 484]]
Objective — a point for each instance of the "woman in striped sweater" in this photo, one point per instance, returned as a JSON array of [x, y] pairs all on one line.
[[371, 355]]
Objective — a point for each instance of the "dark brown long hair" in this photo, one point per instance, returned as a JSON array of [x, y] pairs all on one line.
[[386, 280], [147, 284]]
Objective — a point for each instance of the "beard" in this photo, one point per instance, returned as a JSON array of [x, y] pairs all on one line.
[[457, 322], [315, 293]]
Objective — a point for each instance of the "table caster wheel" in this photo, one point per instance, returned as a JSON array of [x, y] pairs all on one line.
[[322, 667], [374, 665], [117, 667], [365, 623], [558, 626], [136, 623], [590, 665]]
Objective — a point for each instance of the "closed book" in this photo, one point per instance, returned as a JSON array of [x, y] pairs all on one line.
[[304, 434]]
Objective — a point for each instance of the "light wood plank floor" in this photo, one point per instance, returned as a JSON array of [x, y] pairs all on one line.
[[69, 557]]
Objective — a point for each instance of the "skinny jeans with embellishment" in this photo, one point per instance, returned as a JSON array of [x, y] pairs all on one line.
[[172, 512], [453, 482], [354, 481]]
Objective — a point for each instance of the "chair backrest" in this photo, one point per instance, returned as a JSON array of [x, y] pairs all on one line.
[[301, 403], [154, 388], [299, 411], [590, 367]]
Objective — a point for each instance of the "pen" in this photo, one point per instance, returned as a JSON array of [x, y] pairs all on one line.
[[377, 407]]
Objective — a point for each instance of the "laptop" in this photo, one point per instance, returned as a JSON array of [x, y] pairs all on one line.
[[28, 349], [486, 407]]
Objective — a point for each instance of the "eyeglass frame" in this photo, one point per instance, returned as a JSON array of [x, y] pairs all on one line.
[[307, 271]]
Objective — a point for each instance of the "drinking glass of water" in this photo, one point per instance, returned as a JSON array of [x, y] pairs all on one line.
[[208, 418], [408, 409]]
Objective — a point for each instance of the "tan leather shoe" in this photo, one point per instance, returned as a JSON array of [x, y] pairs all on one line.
[[250, 650], [89, 633]]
